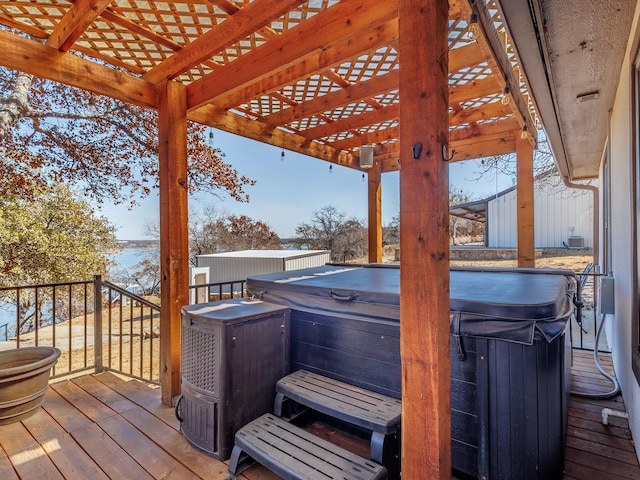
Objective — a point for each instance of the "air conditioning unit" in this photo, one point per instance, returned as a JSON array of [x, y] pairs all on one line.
[[576, 242]]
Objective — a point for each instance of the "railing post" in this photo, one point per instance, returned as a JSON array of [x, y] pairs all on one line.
[[97, 323]]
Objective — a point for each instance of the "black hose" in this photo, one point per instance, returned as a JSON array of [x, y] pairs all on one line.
[[614, 380]]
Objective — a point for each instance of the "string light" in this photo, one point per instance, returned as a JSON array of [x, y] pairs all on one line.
[[210, 137], [363, 177], [330, 169], [474, 31], [282, 155], [506, 98], [524, 133]]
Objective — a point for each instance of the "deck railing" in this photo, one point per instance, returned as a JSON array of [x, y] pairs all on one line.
[[101, 326], [96, 324], [210, 292]]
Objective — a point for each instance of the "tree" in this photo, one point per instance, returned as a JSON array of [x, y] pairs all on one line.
[[214, 233], [147, 272], [329, 229], [391, 232], [459, 226], [51, 133], [56, 238]]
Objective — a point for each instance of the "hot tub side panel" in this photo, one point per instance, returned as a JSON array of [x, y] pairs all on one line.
[[350, 349]]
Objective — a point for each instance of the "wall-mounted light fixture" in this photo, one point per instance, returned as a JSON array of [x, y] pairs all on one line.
[[366, 156]]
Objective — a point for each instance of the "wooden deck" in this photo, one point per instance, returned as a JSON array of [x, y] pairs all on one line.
[[102, 426], [596, 451]]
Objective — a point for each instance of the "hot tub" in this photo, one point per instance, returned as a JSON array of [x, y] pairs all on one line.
[[510, 364]]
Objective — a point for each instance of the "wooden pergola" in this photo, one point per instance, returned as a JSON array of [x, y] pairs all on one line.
[[322, 78]]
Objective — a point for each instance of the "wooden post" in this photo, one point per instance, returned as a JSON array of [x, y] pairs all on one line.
[[374, 175], [424, 239], [525, 196], [174, 236]]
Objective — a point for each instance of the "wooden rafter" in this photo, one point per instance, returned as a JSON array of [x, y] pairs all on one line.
[[316, 62], [241, 24], [264, 84], [295, 45], [257, 130], [501, 65], [77, 19], [43, 61]]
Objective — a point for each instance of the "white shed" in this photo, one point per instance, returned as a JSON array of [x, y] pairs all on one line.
[[233, 266]]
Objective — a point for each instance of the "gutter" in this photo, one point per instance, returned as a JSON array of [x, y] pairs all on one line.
[[596, 214]]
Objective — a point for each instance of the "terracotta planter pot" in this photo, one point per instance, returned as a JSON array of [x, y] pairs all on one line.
[[24, 379]]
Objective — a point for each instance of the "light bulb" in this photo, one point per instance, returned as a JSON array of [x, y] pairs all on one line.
[[363, 177], [474, 31], [505, 96], [330, 169], [524, 133], [282, 156]]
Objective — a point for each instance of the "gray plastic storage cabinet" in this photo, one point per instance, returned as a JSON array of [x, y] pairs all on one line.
[[233, 353]]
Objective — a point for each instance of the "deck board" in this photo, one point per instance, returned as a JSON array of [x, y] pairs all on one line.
[[595, 450], [72, 462], [104, 426]]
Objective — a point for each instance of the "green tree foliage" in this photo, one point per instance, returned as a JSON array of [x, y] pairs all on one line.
[[55, 238], [51, 133], [330, 229]]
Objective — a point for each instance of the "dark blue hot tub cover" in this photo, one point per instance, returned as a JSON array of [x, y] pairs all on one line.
[[513, 305]]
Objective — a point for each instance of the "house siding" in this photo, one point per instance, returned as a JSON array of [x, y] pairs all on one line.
[[619, 325]]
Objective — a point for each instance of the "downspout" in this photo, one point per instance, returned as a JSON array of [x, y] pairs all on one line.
[[596, 215]]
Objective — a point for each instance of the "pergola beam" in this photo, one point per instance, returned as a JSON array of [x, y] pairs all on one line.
[[77, 19], [316, 63], [525, 203], [241, 24], [32, 57], [500, 63], [374, 206], [424, 240], [174, 233], [257, 130], [330, 101], [334, 24]]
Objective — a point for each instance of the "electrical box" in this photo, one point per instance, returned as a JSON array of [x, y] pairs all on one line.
[[607, 296]]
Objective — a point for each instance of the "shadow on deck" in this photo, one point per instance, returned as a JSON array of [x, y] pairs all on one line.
[[102, 427]]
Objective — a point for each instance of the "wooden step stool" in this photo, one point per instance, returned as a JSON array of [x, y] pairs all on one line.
[[368, 410], [295, 454]]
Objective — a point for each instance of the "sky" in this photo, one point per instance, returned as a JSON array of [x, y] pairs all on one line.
[[289, 190]]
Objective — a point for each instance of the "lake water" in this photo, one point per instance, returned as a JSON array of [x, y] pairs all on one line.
[[128, 258]]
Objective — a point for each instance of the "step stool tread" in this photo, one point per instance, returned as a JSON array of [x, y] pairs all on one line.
[[366, 409], [296, 454]]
